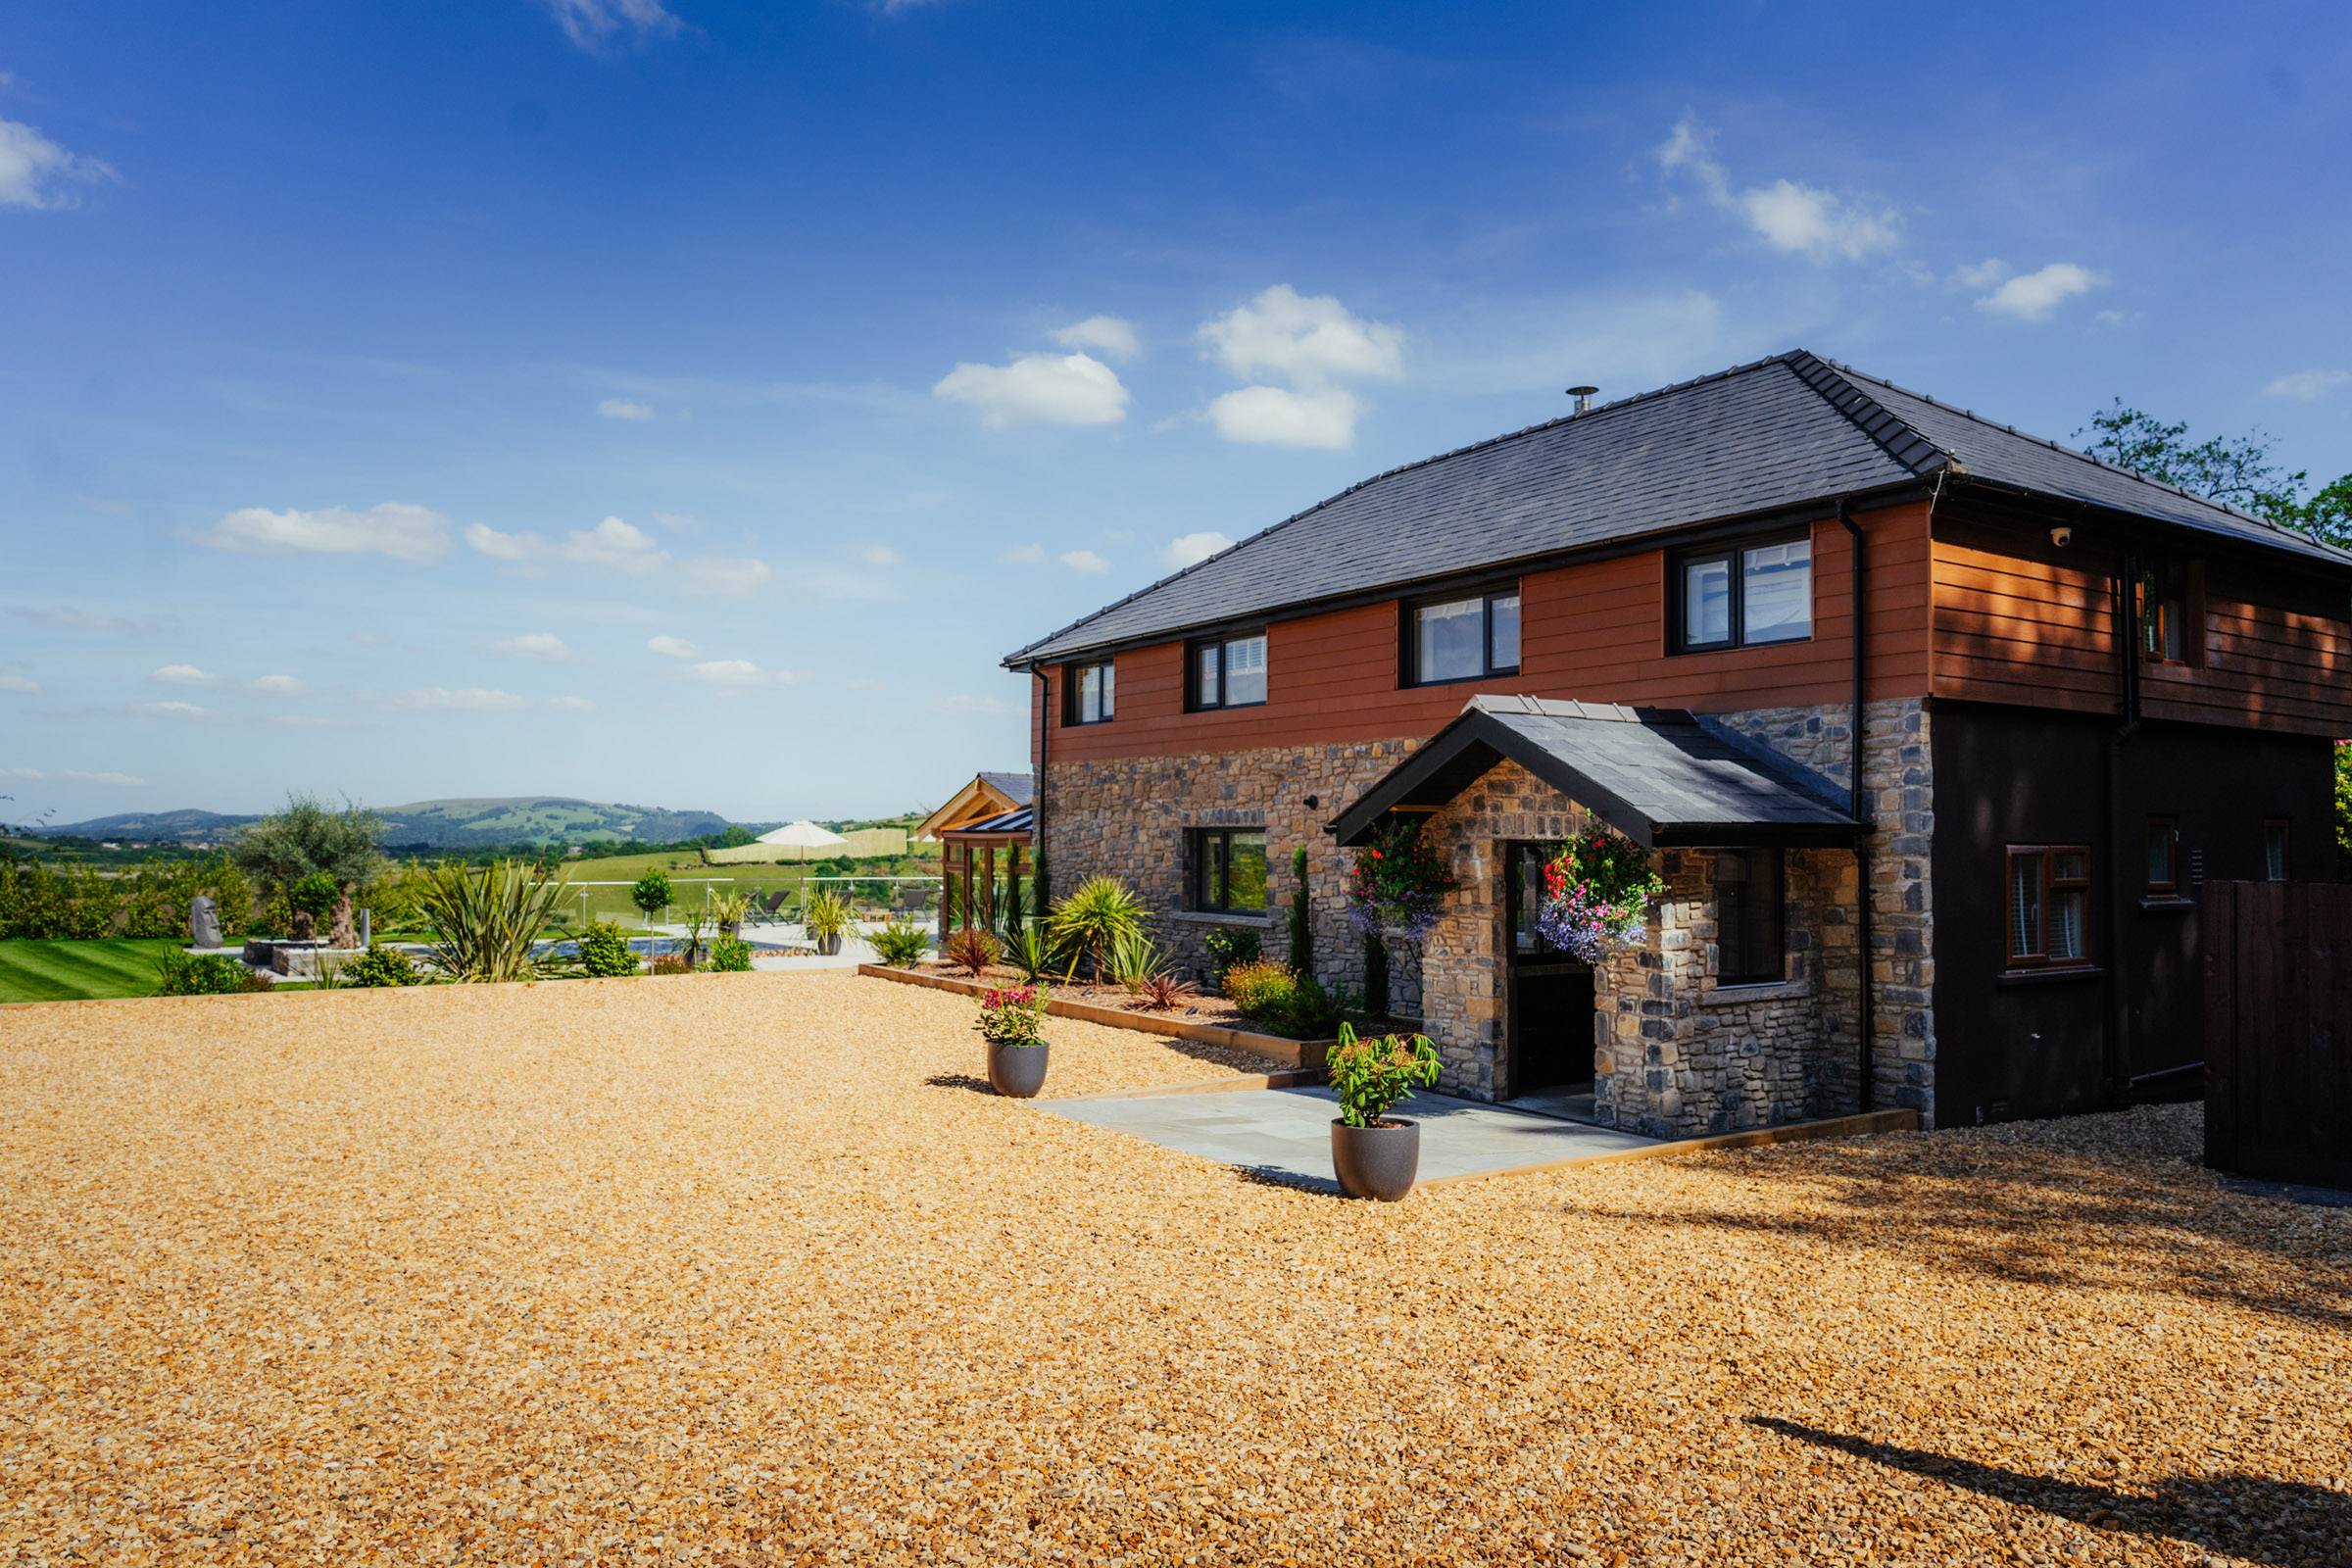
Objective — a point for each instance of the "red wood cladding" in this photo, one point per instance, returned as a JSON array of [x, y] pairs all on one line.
[[1597, 632], [2021, 620]]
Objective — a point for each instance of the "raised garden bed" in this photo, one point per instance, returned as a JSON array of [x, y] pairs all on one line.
[[1104, 1004]]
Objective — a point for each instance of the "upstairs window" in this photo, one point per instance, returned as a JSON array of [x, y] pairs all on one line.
[[1230, 672], [1744, 596], [1465, 636], [1229, 870], [1089, 692], [2049, 905], [2273, 848], [1750, 941], [2164, 858], [2169, 599]]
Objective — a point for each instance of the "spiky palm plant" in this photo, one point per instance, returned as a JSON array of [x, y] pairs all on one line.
[[1090, 921], [485, 920]]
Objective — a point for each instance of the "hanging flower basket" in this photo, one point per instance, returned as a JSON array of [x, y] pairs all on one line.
[[1399, 883], [1597, 893]]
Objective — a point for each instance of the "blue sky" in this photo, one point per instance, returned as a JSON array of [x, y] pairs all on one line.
[[688, 402]]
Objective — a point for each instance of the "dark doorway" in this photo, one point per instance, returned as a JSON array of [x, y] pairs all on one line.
[[1548, 1001]]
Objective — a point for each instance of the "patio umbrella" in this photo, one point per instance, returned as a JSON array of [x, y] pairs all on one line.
[[804, 836]]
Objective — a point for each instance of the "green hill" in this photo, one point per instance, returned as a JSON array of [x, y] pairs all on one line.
[[448, 824]]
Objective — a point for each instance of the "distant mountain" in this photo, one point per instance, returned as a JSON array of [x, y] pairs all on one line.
[[452, 824]]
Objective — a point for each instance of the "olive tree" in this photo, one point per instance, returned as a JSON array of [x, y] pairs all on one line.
[[311, 839]]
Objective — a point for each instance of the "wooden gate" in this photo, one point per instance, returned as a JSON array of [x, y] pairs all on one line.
[[2278, 1030]]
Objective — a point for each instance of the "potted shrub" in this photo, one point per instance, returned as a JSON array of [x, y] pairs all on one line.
[[729, 910], [826, 916], [1012, 1022], [1373, 1154]]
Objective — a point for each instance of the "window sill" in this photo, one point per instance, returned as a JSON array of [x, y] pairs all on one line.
[[1226, 707], [2045, 977], [2165, 903], [1728, 994], [1511, 674], [1219, 917]]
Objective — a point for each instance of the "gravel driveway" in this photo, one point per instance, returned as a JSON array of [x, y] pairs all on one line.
[[745, 1269]]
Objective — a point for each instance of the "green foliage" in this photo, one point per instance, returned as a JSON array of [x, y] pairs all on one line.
[[828, 913], [1030, 951], [972, 947], [180, 973], [1372, 1075], [485, 920], [380, 966], [1040, 885], [306, 837], [2343, 809], [730, 955], [1088, 922], [1229, 945], [312, 895], [735, 838], [652, 892], [1261, 988], [1302, 930], [2235, 471], [696, 923], [66, 900], [1400, 880], [604, 950], [900, 943], [1013, 1017], [1013, 909], [1134, 959]]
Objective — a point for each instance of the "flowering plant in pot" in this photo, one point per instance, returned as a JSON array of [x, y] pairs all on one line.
[[1012, 1021], [1597, 893], [1375, 1154]]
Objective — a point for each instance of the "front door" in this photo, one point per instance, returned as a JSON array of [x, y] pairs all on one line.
[[1547, 995]]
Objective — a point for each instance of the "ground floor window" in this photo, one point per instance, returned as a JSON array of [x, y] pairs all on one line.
[[2164, 856], [1229, 870], [2049, 904], [1750, 939], [2273, 848]]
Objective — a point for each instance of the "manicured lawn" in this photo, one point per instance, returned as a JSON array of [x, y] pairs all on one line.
[[77, 971]]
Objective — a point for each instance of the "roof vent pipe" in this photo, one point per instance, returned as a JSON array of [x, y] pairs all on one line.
[[1583, 396]]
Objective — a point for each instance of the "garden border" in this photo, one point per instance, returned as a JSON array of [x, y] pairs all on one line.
[[1300, 1054]]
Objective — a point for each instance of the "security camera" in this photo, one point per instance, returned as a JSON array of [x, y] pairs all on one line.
[[2062, 537]]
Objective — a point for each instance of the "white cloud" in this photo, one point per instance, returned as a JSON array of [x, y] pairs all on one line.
[[1308, 340], [621, 545], [878, 556], [72, 773], [440, 699], [276, 686], [2032, 296], [30, 162], [678, 521], [593, 24], [183, 676], [741, 674], [1984, 274], [173, 710], [1273, 416], [1083, 560], [613, 543], [1787, 216], [18, 683], [503, 546], [961, 703], [1186, 549], [1055, 388], [393, 529], [530, 645], [672, 647], [1109, 333], [1024, 556], [622, 409], [572, 704], [2308, 386], [724, 574]]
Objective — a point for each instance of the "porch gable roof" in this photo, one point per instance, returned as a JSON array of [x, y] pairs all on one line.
[[1663, 777]]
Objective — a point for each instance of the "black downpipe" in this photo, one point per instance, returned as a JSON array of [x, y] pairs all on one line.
[[1868, 1065], [1037, 795]]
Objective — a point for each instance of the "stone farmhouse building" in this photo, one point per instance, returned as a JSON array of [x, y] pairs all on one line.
[[1934, 727]]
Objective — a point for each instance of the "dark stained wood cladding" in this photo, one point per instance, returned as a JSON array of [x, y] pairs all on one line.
[[2020, 621], [1596, 631]]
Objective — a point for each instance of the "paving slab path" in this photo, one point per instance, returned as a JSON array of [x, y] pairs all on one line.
[[1286, 1133]]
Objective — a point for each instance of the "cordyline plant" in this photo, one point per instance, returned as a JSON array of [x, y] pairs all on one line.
[[1092, 921], [1371, 1075], [1399, 882], [486, 921], [1015, 1017], [1597, 893]]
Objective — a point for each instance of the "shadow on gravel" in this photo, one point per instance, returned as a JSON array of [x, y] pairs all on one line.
[[2030, 1214], [1276, 1176], [2254, 1517], [959, 1080]]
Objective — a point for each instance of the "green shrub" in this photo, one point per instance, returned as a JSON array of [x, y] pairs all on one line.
[[650, 894], [1261, 988], [487, 921], [314, 895], [1228, 946], [380, 966], [210, 974], [1090, 921], [972, 947], [1371, 1075], [900, 943], [605, 950], [730, 955], [1029, 951]]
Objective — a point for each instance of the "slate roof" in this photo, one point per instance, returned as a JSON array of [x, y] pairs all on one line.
[[1019, 821], [1019, 788], [1780, 432], [1663, 777]]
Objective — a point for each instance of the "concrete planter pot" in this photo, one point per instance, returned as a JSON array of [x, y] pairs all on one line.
[[1018, 1072], [829, 944], [1376, 1162]]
